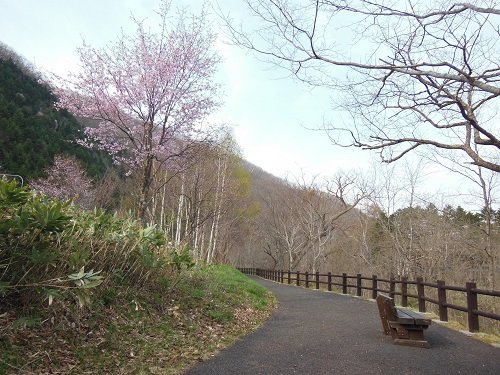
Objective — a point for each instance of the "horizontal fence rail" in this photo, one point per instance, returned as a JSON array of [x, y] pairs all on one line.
[[393, 287]]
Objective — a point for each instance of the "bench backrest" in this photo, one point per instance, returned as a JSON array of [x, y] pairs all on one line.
[[387, 311]]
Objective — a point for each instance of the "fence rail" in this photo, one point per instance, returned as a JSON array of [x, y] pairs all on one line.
[[347, 282]]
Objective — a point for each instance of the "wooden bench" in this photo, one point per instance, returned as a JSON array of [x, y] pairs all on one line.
[[406, 327]]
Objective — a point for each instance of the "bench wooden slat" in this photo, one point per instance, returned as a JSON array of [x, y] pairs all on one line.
[[404, 318], [418, 318], [410, 317]]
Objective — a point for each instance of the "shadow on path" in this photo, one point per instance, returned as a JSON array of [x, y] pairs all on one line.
[[313, 332]]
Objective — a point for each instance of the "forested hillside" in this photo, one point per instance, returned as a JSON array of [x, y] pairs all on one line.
[[343, 224], [32, 131]]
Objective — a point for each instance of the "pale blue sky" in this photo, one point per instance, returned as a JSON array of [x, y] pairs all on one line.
[[268, 111]]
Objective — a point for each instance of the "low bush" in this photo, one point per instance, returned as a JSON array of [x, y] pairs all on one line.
[[52, 250]]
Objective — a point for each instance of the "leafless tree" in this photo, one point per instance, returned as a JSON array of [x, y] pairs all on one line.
[[412, 74], [322, 209], [484, 193]]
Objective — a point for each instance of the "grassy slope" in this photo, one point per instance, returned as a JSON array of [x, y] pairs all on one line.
[[122, 333]]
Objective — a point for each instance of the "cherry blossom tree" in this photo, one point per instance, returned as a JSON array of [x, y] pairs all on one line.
[[66, 179], [149, 93]]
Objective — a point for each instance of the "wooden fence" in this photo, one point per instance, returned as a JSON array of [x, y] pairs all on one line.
[[372, 284]]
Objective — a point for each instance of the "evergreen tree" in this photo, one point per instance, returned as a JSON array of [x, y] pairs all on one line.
[[32, 131]]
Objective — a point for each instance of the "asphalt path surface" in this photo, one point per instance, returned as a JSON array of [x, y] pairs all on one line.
[[315, 332]]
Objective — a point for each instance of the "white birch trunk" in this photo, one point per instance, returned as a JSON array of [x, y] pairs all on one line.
[[178, 226], [219, 207], [162, 211], [212, 230], [197, 231]]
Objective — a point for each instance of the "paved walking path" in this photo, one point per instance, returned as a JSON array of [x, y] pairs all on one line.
[[313, 332]]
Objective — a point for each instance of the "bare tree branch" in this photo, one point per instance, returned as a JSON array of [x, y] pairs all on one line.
[[423, 74]]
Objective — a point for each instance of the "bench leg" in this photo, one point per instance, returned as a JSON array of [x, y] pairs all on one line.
[[409, 337], [416, 343]]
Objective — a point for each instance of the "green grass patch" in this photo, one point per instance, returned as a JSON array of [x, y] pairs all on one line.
[[233, 287]]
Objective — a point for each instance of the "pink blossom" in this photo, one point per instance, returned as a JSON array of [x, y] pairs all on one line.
[[146, 90], [66, 179]]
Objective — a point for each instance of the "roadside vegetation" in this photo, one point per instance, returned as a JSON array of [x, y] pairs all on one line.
[[88, 292]]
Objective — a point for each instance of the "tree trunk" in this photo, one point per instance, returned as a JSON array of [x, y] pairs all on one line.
[[178, 227], [147, 177]]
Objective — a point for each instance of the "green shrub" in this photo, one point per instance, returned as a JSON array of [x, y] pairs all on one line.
[[47, 248]]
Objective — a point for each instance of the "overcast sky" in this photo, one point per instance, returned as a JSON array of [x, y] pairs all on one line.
[[269, 112]]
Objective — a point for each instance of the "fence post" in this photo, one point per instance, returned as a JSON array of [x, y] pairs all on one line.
[[358, 285], [392, 287], [421, 294], [317, 280], [472, 316], [289, 276], [443, 309], [298, 278], [282, 273], [404, 291], [329, 281], [374, 286], [344, 283], [307, 279]]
